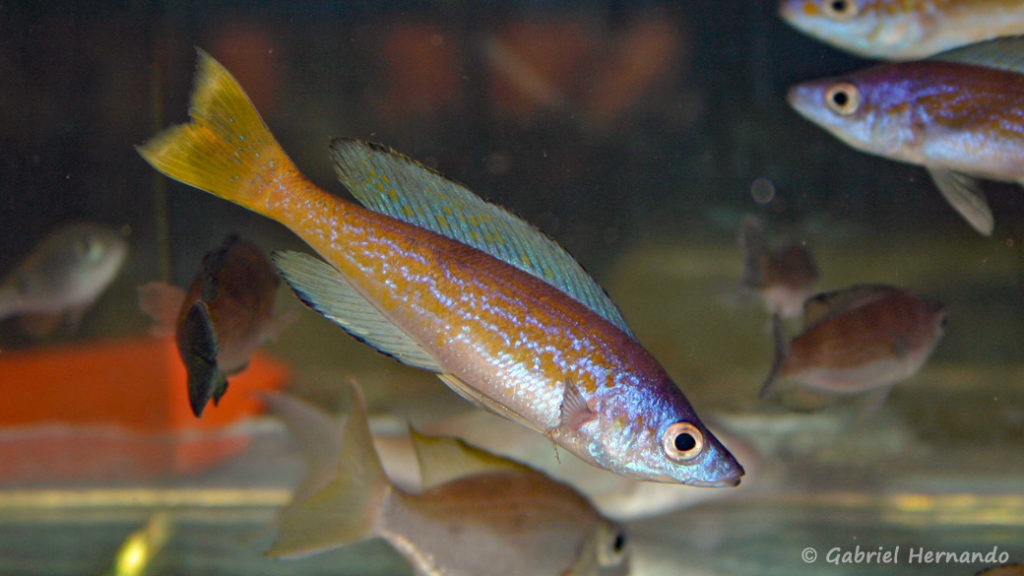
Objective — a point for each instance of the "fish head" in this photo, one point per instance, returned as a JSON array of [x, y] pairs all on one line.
[[69, 268], [870, 28], [658, 437], [871, 110], [96, 255]]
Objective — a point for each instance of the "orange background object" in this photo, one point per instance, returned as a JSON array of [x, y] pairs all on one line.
[[116, 408]]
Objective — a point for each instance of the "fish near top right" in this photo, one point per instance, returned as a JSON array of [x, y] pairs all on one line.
[[959, 114], [903, 29]]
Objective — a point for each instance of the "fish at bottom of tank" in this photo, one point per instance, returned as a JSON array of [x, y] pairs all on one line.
[[476, 513]]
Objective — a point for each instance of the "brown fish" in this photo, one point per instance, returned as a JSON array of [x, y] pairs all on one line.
[[226, 314], [783, 277], [858, 339], [477, 514]]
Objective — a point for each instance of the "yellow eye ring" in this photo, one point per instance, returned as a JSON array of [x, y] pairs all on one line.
[[840, 9], [843, 98], [682, 441]]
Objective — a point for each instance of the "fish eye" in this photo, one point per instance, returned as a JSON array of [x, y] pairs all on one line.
[[615, 545], [840, 9], [682, 441], [89, 247], [843, 98]]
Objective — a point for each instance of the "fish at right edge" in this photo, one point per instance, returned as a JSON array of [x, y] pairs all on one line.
[[903, 29], [958, 114], [432, 275]]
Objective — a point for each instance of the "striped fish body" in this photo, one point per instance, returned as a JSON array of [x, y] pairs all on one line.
[[435, 277], [959, 114]]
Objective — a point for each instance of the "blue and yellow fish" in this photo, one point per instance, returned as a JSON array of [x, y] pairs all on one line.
[[432, 275], [959, 114]]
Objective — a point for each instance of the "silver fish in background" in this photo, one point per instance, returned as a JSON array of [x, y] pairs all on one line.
[[783, 277], [859, 339], [62, 276], [960, 115], [477, 513], [902, 30]]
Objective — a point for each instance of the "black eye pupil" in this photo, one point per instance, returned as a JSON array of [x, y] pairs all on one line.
[[840, 98], [685, 442], [839, 5], [620, 542]]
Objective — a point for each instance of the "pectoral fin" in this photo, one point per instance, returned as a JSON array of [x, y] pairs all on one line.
[[325, 289], [966, 197], [575, 410]]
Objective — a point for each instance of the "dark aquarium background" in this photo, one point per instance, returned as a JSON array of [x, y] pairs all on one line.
[[637, 135]]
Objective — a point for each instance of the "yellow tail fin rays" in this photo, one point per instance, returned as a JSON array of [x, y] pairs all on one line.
[[391, 183], [326, 290], [226, 149]]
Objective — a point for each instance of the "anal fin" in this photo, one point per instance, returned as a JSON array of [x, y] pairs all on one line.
[[964, 194]]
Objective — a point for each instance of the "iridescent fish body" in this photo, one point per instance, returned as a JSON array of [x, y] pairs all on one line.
[[222, 319], [476, 513], [960, 115], [62, 276], [903, 29], [858, 339], [434, 276], [784, 277]]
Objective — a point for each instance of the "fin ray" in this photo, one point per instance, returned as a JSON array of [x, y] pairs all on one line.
[[347, 509], [443, 458], [1005, 53], [390, 183], [965, 196], [326, 290]]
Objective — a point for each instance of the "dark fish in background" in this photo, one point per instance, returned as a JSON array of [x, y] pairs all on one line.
[[902, 30], [783, 277], [959, 114], [859, 339], [62, 277], [477, 513], [225, 315]]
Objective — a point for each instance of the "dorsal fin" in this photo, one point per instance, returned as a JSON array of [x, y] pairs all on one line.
[[827, 304], [1005, 53], [385, 181], [443, 459]]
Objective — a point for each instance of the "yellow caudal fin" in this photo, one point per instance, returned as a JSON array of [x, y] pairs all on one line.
[[226, 149]]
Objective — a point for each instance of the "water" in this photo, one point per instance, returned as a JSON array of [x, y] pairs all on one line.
[[637, 135]]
